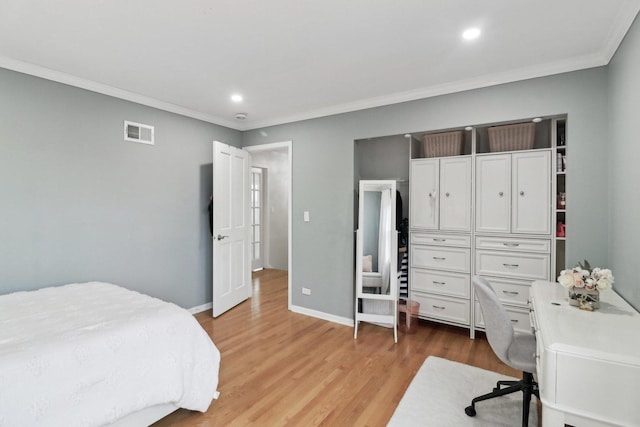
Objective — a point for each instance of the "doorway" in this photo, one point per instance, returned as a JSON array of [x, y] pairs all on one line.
[[271, 207]]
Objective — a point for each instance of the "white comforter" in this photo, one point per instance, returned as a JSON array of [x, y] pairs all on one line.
[[88, 354]]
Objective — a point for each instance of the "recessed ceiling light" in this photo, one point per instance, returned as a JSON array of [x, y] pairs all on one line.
[[537, 120], [471, 33], [236, 98]]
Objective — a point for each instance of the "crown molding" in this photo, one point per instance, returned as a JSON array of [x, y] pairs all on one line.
[[68, 79], [626, 15], [624, 21], [542, 70]]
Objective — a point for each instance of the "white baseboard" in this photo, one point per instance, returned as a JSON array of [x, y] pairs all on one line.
[[321, 315], [296, 309], [200, 308]]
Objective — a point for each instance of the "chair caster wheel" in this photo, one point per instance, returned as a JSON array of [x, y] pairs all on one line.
[[469, 410]]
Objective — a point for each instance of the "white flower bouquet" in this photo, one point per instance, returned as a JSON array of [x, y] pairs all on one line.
[[584, 284]]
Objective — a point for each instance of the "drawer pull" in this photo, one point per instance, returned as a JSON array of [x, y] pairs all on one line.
[[439, 283], [439, 307], [437, 258], [511, 265], [511, 245], [514, 293], [439, 240], [514, 320]]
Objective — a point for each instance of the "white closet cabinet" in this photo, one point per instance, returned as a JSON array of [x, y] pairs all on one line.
[[441, 194], [425, 184], [514, 193]]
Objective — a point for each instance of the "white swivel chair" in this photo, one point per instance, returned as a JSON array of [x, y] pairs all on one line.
[[516, 350]]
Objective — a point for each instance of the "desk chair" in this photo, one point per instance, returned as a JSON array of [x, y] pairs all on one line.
[[514, 349]]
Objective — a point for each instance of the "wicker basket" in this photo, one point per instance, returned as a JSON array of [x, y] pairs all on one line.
[[512, 137], [443, 144]]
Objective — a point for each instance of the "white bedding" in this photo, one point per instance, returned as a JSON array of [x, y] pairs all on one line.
[[89, 354]]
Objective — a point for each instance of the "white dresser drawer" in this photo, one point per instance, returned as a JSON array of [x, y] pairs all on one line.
[[519, 318], [513, 264], [513, 244], [440, 258], [511, 291], [440, 282], [443, 308], [460, 240]]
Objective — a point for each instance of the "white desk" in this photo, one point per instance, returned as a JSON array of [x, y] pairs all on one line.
[[588, 363]]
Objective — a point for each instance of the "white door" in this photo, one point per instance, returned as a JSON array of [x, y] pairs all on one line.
[[531, 192], [425, 203], [493, 193], [256, 219], [455, 194], [231, 226]]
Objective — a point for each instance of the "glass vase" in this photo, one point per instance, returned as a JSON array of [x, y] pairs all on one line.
[[585, 299]]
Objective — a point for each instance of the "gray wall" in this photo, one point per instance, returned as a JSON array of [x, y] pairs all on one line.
[[78, 203], [323, 170], [622, 168], [276, 203], [385, 158]]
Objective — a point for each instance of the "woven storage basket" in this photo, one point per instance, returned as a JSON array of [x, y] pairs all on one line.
[[512, 137], [442, 144]]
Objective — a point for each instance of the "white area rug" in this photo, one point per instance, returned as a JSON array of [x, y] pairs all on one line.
[[442, 389]]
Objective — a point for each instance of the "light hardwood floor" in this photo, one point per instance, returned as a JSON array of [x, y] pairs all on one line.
[[282, 368]]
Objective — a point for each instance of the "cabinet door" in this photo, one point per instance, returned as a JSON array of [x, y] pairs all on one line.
[[455, 194], [493, 193], [531, 192], [424, 200]]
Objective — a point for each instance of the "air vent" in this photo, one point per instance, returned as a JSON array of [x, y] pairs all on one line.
[[137, 132]]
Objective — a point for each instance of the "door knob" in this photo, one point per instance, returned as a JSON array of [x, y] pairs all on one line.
[[220, 237]]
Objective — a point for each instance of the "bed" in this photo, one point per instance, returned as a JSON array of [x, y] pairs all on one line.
[[98, 354]]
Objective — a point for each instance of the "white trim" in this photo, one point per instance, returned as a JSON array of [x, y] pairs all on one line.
[[624, 20], [200, 308], [626, 15], [542, 70], [322, 315], [68, 79], [272, 146]]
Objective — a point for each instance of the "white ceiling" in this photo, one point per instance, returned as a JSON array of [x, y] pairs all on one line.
[[298, 59]]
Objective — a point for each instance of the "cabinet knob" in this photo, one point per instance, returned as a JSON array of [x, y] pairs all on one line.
[[522, 193], [446, 194], [501, 194]]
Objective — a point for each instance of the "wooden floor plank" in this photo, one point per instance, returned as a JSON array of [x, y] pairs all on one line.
[[283, 368]]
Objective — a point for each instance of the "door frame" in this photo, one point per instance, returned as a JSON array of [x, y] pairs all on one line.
[[268, 147]]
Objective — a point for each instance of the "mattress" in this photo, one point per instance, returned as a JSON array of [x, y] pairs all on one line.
[[89, 354]]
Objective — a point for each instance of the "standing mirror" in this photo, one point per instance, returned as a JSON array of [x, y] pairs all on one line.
[[376, 256]]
